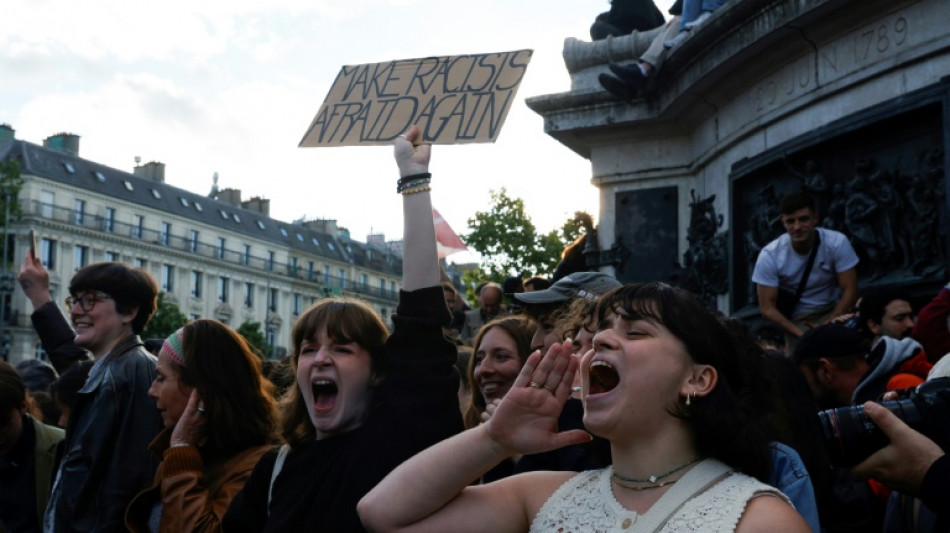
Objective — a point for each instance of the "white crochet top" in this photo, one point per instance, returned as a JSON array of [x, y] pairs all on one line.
[[586, 503]]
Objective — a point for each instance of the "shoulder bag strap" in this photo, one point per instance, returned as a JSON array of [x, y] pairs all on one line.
[[278, 466], [811, 262]]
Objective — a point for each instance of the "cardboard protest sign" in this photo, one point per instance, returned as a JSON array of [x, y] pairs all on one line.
[[453, 99]]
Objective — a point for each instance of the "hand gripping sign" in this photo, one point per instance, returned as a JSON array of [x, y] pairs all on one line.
[[453, 99]]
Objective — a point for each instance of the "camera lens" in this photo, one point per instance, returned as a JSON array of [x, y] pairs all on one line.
[[850, 436]]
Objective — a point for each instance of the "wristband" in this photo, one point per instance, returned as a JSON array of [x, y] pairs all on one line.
[[413, 181], [179, 444], [415, 190]]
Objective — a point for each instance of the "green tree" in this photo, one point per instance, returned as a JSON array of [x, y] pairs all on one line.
[[510, 244], [251, 331], [166, 320]]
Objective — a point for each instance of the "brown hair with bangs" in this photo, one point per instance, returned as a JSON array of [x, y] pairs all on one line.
[[241, 410], [130, 288], [518, 327], [346, 320]]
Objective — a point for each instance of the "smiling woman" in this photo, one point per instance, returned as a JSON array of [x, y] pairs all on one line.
[[365, 400]]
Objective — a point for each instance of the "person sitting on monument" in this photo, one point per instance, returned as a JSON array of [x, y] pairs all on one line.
[[624, 17], [806, 276]]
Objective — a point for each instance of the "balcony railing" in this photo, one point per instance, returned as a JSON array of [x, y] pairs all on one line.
[[187, 244]]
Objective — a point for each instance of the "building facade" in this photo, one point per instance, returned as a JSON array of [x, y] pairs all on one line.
[[849, 101], [214, 256]]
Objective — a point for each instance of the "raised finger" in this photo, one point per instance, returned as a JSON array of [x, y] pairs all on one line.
[[560, 361], [530, 364]]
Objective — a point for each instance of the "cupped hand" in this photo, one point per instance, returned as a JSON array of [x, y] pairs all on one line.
[[525, 421], [412, 157], [190, 426]]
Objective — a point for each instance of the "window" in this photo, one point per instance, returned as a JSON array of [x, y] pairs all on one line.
[[311, 273], [111, 256], [246, 258], [315, 242], [326, 274], [298, 303], [99, 176], [330, 246], [108, 222], [260, 224], [223, 284], [392, 289], [193, 240], [184, 201], [168, 278], [300, 237], [293, 266], [220, 249], [139, 262], [249, 295], [364, 282], [382, 287], [342, 278], [223, 213], [80, 256], [270, 339], [48, 253], [198, 207], [270, 261], [69, 167], [128, 186], [165, 235], [138, 224], [79, 212], [47, 202], [283, 232], [272, 300], [155, 194], [236, 217], [196, 284]]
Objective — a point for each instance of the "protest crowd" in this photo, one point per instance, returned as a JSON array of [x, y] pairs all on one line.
[[569, 403]]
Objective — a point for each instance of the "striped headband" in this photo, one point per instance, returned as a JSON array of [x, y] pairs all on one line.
[[172, 347]]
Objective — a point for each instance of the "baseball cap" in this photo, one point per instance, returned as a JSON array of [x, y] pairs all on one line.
[[830, 340], [590, 285]]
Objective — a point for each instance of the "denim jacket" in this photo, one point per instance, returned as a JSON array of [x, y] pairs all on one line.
[[790, 476]]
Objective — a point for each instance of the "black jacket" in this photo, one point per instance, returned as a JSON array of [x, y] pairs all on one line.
[[107, 460]]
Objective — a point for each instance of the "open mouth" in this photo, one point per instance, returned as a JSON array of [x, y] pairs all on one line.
[[603, 377], [324, 395]]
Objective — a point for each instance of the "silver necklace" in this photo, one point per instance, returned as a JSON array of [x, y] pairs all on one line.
[[653, 479]]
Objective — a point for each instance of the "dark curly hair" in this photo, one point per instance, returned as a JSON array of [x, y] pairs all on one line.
[[727, 423]]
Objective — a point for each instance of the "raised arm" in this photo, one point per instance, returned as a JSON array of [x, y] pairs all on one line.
[[420, 257], [431, 492], [48, 321]]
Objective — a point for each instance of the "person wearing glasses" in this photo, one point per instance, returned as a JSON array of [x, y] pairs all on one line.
[[106, 460]]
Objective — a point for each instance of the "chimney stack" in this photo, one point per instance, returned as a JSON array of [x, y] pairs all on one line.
[[256, 203], [7, 133], [68, 143], [152, 170], [230, 196]]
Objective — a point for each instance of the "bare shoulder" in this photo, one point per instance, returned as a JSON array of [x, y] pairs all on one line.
[[768, 513], [534, 488]]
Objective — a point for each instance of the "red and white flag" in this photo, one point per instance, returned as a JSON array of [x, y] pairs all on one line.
[[447, 240]]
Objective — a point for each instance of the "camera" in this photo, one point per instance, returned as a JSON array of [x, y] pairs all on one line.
[[850, 436]]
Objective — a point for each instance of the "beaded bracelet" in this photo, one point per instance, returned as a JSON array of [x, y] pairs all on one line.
[[407, 192], [412, 181]]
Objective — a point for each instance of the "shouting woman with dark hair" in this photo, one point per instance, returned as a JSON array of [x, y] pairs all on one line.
[[365, 401], [219, 416], [663, 384]]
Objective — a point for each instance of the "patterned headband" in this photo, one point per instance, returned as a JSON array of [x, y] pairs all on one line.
[[172, 347]]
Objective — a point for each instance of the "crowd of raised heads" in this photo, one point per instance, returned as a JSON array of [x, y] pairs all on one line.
[[570, 403]]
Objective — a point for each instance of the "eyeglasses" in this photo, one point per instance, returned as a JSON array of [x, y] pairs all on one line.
[[87, 302]]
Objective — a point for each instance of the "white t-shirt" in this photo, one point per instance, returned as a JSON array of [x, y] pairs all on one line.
[[779, 265]]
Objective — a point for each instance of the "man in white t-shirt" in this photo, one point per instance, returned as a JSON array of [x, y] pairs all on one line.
[[832, 286]]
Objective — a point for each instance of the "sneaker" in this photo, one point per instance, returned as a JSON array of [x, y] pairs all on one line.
[[676, 41], [698, 20], [617, 87], [631, 75]]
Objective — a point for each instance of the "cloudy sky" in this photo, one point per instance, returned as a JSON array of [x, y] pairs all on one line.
[[230, 87]]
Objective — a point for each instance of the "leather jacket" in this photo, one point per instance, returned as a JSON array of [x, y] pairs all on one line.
[[106, 459]]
